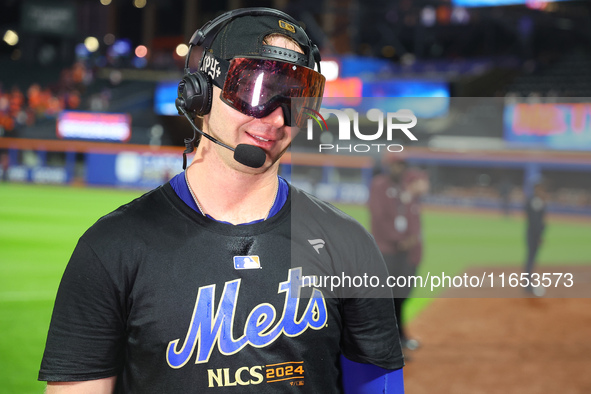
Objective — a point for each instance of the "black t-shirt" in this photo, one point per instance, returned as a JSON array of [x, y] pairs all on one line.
[[173, 302]]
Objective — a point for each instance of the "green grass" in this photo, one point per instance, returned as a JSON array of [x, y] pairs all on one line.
[[455, 241], [39, 227]]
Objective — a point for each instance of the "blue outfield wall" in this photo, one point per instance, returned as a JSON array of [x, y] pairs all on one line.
[[131, 169], [147, 170]]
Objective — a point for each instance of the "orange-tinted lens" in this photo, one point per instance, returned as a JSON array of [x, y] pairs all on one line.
[[256, 87]]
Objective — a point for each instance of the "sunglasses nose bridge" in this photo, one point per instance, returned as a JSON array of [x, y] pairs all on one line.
[[286, 113], [272, 106], [274, 116]]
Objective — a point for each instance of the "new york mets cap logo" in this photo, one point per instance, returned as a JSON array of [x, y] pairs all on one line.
[[247, 262]]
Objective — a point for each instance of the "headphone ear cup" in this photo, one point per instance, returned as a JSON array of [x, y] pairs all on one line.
[[196, 92]]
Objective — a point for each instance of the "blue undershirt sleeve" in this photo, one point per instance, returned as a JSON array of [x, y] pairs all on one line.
[[369, 379]]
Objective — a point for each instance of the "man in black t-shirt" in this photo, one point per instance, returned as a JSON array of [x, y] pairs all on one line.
[[201, 284]]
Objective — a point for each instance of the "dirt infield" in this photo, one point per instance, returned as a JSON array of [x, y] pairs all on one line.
[[483, 345], [568, 281]]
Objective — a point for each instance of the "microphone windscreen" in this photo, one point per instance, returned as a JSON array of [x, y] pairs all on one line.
[[250, 155]]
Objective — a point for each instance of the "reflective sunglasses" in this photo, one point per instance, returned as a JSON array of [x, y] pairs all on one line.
[[257, 87]]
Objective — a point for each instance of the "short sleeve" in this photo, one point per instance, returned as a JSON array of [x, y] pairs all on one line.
[[370, 333], [86, 336]]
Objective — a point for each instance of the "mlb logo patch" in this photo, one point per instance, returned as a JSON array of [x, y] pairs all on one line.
[[247, 262]]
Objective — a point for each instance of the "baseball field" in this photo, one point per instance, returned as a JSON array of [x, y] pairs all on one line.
[[469, 345]]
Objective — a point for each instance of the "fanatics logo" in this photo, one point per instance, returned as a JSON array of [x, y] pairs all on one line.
[[247, 262], [317, 244]]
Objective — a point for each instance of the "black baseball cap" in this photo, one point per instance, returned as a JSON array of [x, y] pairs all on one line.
[[244, 36], [241, 33]]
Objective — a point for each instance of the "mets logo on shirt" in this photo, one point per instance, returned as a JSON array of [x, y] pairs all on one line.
[[247, 262]]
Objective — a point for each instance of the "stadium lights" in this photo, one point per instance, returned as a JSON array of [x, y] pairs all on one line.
[[139, 3], [105, 2], [182, 50], [91, 44], [11, 38], [141, 51], [330, 69]]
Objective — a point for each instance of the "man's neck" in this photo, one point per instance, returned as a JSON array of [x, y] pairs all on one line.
[[229, 194]]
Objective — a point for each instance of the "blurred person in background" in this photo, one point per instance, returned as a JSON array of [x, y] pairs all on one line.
[[416, 185], [194, 287], [4, 165], [389, 204], [535, 213]]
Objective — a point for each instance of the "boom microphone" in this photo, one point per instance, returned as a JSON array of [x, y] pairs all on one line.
[[249, 155]]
